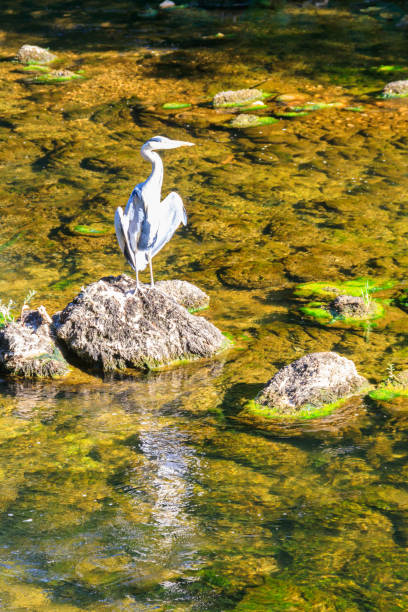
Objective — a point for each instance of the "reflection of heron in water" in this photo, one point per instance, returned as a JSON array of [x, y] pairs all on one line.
[[147, 223]]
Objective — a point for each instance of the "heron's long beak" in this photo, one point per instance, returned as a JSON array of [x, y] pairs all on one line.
[[180, 143]]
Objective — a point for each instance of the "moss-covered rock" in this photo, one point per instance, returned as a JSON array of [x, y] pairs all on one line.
[[351, 304], [310, 387], [111, 325], [28, 348]]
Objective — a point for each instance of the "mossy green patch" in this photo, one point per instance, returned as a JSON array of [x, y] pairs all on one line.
[[353, 287], [291, 114], [51, 78], [390, 68], [32, 67], [388, 393], [176, 105], [307, 412]]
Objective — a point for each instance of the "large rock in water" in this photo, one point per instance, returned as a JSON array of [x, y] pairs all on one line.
[[313, 380], [111, 326], [27, 347]]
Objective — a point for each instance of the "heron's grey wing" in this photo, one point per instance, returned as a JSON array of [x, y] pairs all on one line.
[[172, 214], [137, 228], [121, 228], [135, 212]]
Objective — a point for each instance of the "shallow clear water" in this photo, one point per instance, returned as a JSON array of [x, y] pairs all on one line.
[[151, 493]]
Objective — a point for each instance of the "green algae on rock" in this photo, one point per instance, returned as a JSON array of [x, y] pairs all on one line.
[[392, 394], [111, 326]]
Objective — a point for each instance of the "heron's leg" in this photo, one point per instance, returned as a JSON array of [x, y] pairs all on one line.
[[151, 269], [137, 279]]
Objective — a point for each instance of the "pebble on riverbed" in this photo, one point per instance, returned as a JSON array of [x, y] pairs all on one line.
[[110, 326], [27, 347], [32, 54], [310, 383]]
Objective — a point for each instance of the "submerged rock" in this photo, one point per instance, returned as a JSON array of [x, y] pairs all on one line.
[[185, 294], [32, 54], [237, 98], [111, 326], [396, 89], [243, 120], [27, 347], [312, 381]]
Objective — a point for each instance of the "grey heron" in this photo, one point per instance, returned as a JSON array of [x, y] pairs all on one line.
[[148, 223]]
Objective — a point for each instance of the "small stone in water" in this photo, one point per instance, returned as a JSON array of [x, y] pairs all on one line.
[[396, 89], [32, 54], [167, 4]]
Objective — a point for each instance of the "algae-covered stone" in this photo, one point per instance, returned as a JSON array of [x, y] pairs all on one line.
[[396, 89], [32, 54], [350, 306], [311, 382], [239, 97], [184, 293], [111, 325], [27, 347]]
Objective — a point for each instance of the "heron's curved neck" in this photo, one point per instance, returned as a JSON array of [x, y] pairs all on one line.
[[156, 176]]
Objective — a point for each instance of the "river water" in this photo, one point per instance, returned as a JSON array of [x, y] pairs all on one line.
[[149, 492]]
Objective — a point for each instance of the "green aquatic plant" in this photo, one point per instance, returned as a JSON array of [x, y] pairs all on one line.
[[306, 412], [7, 314], [366, 295]]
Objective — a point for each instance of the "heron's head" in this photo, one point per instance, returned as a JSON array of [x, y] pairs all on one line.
[[161, 142]]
